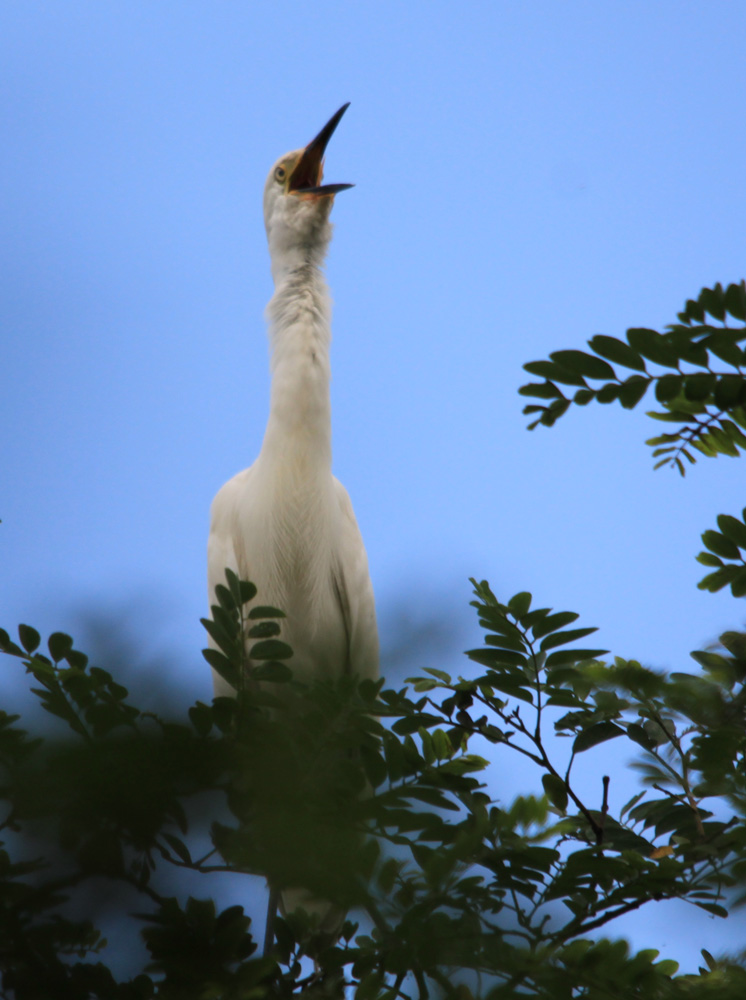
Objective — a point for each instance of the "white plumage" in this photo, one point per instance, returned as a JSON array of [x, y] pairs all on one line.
[[286, 523]]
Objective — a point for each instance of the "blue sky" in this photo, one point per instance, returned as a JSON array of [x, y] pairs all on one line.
[[527, 175]]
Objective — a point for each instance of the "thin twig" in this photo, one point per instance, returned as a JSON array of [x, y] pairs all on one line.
[[604, 807]]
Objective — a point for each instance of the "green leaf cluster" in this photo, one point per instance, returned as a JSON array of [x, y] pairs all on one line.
[[385, 785], [233, 626], [696, 368], [372, 801], [725, 554]]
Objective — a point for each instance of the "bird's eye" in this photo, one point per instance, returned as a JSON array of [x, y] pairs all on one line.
[[280, 174]]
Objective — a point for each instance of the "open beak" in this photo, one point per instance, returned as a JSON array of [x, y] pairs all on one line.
[[307, 175]]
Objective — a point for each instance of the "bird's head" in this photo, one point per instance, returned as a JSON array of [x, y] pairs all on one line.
[[296, 203]]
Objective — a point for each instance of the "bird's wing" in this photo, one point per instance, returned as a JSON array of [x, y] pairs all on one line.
[[221, 554], [355, 591]]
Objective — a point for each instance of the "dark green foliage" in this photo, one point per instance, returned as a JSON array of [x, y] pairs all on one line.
[[706, 396], [373, 799], [384, 785], [725, 552], [195, 945], [708, 402]]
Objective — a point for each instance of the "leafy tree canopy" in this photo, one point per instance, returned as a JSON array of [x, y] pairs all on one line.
[[375, 800]]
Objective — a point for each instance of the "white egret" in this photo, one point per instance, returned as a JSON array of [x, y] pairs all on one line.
[[286, 523]]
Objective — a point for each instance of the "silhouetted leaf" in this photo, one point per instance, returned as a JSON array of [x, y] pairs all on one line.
[[59, 645], [201, 718], [247, 591], [225, 597], [714, 908], [76, 659], [178, 847], [724, 345], [733, 529], [270, 649], [728, 391], [219, 662], [520, 603], [497, 657], [668, 387], [738, 584], [272, 670], [583, 364], [699, 386], [608, 393], [540, 390], [556, 790], [583, 396], [7, 645], [29, 637], [226, 642], [712, 301], [264, 630], [720, 545], [553, 372], [565, 656], [551, 623], [233, 586], [735, 300], [638, 734], [719, 579], [632, 391], [598, 733], [515, 687], [617, 351], [653, 346], [708, 559], [560, 638], [265, 611]]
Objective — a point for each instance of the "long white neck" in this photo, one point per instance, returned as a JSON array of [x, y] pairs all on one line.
[[299, 313]]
